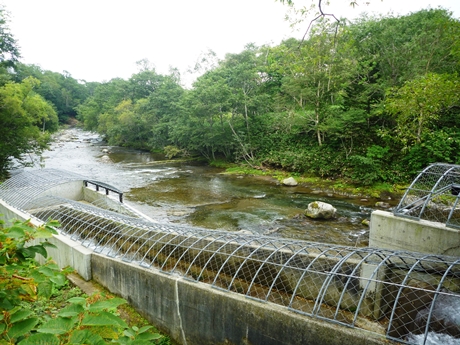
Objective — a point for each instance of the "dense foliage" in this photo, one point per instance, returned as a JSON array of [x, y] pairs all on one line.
[[24, 285], [26, 117], [374, 101]]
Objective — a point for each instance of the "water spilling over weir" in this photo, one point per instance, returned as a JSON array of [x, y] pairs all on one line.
[[403, 296]]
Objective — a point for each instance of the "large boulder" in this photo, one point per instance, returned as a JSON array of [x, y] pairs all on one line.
[[290, 181], [320, 210]]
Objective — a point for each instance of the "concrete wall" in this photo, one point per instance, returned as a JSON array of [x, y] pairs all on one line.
[[195, 313], [9, 214], [72, 190], [399, 233], [66, 253]]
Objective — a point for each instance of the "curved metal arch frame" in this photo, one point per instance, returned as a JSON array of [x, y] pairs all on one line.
[[188, 238], [435, 180], [23, 188], [141, 238]]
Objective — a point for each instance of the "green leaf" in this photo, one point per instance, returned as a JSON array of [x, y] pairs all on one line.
[[20, 315], [48, 245], [106, 304], [129, 333], [16, 232], [86, 337], [103, 319], [71, 310], [59, 279], [47, 271], [29, 252], [59, 325], [77, 300], [40, 339], [144, 329], [52, 225], [43, 233], [22, 327], [123, 340], [45, 289], [39, 249], [149, 336], [139, 342]]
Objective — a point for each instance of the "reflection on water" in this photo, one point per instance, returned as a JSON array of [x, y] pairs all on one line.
[[205, 197], [199, 195]]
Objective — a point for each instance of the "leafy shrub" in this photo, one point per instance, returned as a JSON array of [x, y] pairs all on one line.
[[23, 282], [171, 151], [370, 168]]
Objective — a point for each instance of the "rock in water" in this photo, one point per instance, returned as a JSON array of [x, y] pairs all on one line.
[[320, 210], [382, 204], [290, 181]]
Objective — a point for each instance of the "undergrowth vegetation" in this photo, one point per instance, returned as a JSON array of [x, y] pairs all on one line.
[[39, 306]]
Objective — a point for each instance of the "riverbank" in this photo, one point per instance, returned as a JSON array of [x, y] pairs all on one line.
[[341, 187], [382, 191], [226, 197]]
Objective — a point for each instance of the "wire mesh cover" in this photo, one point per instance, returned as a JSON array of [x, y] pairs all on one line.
[[24, 189], [401, 295], [433, 196], [28, 185], [411, 298]]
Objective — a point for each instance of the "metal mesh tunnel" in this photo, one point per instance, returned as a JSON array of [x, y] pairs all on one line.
[[433, 195], [25, 190], [27, 186], [410, 298]]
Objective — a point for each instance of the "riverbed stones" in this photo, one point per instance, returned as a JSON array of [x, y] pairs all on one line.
[[320, 210], [382, 204], [106, 159], [366, 222], [290, 182]]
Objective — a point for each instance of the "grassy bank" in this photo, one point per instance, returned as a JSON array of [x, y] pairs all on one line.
[[336, 186]]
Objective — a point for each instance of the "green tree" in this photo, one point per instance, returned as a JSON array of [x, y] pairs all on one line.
[[9, 50], [419, 104], [65, 92], [145, 82], [315, 75], [26, 120], [243, 73], [209, 105], [163, 109], [105, 97], [397, 49]]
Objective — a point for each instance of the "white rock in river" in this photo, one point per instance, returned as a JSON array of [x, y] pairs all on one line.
[[290, 181], [320, 210]]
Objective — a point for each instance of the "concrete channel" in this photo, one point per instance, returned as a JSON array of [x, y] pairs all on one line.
[[208, 287]]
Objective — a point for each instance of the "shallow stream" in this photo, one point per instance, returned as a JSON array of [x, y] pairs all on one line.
[[200, 195]]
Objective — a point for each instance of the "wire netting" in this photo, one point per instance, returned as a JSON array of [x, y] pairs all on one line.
[[410, 298], [433, 196]]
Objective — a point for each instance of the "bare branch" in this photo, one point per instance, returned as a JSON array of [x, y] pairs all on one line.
[[322, 14]]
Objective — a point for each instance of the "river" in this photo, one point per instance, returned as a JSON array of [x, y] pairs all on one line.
[[199, 195]]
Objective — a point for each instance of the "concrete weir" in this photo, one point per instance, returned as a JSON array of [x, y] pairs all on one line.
[[216, 287], [196, 313]]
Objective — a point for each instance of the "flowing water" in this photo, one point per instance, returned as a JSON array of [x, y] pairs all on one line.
[[200, 195]]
